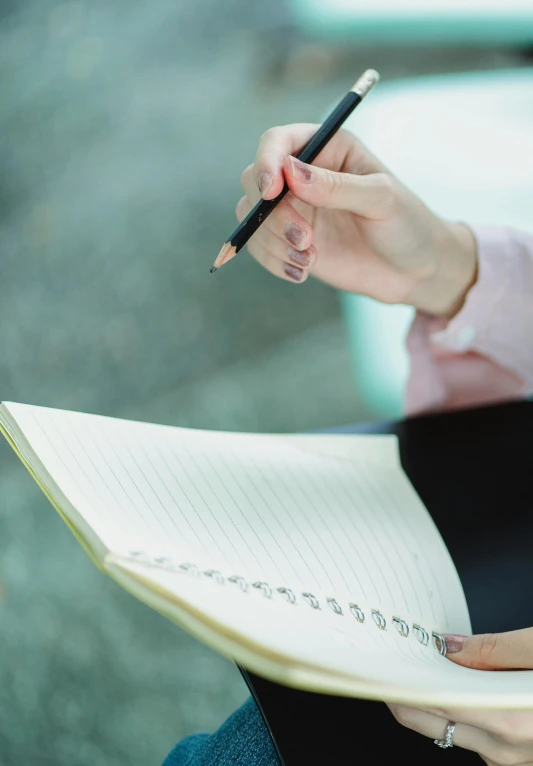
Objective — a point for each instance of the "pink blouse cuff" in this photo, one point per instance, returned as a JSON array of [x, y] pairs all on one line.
[[496, 320]]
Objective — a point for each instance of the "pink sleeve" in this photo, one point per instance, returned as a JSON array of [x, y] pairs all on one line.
[[485, 353]]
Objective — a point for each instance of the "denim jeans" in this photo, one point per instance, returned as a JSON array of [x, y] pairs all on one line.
[[242, 740]]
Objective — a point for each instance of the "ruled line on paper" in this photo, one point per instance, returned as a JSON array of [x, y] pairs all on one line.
[[244, 503]]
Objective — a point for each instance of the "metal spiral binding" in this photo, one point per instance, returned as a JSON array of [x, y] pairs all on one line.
[[357, 613], [401, 626], [288, 593], [265, 587], [240, 581], [440, 643], [311, 600], [421, 634], [216, 575], [142, 557], [334, 605], [378, 618], [192, 568]]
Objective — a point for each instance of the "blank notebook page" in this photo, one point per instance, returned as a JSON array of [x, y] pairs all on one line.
[[335, 515]]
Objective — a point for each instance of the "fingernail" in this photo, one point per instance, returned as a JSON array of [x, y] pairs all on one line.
[[454, 642], [303, 257], [294, 233], [264, 183], [293, 272], [301, 171]]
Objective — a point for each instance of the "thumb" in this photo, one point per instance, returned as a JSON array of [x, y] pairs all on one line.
[[492, 651], [370, 196]]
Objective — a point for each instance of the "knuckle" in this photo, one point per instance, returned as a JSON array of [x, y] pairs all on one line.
[[513, 730], [524, 734], [489, 642], [502, 729], [404, 716], [503, 755], [270, 133], [442, 713], [345, 133], [387, 189], [335, 182], [357, 145]]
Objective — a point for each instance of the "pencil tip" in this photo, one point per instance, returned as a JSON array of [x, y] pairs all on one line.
[[213, 269], [227, 252]]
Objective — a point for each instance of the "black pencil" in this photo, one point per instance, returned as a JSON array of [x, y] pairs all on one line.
[[310, 152]]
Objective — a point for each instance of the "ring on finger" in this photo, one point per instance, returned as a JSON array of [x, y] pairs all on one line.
[[448, 736]]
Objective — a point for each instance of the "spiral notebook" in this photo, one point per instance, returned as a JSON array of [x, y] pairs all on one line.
[[310, 560]]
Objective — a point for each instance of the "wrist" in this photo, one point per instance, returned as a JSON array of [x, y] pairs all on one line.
[[454, 272]]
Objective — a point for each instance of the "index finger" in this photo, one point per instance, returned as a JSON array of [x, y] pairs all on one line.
[[344, 152], [275, 145]]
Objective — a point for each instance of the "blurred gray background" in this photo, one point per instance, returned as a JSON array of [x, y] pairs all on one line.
[[124, 128]]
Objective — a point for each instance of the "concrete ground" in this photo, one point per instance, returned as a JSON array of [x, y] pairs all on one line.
[[124, 130]]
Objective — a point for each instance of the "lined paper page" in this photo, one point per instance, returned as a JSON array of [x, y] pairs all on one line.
[[259, 506]]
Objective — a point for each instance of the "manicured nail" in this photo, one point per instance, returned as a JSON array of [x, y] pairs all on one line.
[[454, 642], [264, 183], [293, 272], [301, 171], [294, 233], [303, 258]]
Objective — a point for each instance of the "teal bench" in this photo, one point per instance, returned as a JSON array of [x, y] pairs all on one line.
[[455, 22]]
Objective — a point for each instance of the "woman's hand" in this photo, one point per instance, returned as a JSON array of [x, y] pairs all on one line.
[[502, 738], [350, 223]]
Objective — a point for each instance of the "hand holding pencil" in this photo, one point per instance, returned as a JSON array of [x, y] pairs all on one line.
[[314, 145], [348, 221]]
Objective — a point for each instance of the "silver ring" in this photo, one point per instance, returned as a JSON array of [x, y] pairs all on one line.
[[448, 737]]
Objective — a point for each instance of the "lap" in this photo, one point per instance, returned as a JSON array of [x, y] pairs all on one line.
[[242, 740]]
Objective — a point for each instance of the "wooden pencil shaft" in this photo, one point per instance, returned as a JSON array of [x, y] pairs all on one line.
[[310, 152]]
